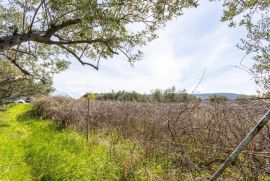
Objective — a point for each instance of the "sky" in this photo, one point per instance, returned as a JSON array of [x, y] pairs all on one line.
[[192, 47]]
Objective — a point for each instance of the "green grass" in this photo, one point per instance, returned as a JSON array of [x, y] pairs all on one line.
[[32, 149]]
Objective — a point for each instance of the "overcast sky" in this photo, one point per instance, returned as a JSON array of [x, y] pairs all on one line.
[[188, 45]]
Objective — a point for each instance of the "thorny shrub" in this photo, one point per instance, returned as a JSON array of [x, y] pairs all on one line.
[[191, 137]]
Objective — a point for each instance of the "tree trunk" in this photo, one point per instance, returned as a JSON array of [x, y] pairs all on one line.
[[7, 42]]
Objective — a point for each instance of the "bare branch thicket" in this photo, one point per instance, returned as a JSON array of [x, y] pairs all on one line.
[[190, 136]]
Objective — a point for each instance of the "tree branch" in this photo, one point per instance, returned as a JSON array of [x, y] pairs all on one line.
[[46, 40], [78, 58], [14, 62], [24, 52], [7, 42], [55, 28], [33, 19], [11, 80]]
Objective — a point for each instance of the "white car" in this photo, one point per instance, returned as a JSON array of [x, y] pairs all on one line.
[[20, 101]]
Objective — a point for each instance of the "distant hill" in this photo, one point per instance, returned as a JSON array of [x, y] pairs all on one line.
[[230, 96]]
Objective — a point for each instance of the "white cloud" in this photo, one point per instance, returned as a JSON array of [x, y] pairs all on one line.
[[192, 42]]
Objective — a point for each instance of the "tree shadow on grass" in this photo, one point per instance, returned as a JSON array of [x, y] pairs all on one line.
[[57, 126], [4, 125], [46, 178], [31, 116], [27, 116]]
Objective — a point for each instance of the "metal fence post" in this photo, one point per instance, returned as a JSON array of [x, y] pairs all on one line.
[[88, 117], [241, 146], [89, 96]]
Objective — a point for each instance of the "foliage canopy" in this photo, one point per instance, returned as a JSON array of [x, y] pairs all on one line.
[[254, 15], [35, 34]]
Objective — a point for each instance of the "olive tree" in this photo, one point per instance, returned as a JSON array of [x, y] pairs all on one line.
[[254, 15], [14, 85], [36, 35]]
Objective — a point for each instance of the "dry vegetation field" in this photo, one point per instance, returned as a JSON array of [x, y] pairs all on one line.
[[187, 140]]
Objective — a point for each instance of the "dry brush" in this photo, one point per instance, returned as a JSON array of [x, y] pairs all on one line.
[[190, 137]]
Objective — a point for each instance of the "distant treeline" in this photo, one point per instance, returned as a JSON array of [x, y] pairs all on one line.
[[168, 95], [158, 95]]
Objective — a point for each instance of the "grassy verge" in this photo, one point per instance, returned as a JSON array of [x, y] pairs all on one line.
[[31, 149]]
